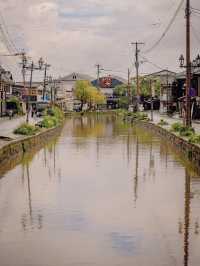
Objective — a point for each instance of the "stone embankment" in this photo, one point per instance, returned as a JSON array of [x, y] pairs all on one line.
[[12, 152], [191, 152]]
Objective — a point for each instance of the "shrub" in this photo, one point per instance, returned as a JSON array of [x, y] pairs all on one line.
[[49, 122], [26, 129], [183, 130], [186, 131], [56, 112], [54, 116], [195, 138], [176, 127]]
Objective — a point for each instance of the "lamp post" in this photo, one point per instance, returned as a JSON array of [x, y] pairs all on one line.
[[189, 66], [29, 66]]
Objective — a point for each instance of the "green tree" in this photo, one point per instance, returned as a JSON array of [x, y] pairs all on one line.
[[89, 94], [121, 91]]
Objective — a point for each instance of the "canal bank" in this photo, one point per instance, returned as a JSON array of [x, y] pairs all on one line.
[[189, 151], [13, 152]]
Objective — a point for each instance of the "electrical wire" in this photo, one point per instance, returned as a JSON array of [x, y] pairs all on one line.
[[195, 9], [167, 28], [197, 37], [7, 34], [153, 64]]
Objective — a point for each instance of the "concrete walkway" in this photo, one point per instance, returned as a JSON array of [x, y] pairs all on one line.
[[170, 120], [7, 126]]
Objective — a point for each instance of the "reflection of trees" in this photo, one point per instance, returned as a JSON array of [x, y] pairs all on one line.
[[88, 128], [186, 226]]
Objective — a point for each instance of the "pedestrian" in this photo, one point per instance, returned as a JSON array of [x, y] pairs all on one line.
[[10, 113]]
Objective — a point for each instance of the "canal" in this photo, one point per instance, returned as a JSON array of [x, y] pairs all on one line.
[[102, 194]]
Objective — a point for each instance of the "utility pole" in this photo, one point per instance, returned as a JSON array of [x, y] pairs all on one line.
[[188, 119], [137, 64], [98, 76], [150, 84], [31, 67], [29, 91], [46, 66], [129, 88]]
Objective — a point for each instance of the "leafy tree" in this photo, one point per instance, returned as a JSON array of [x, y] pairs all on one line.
[[146, 83], [86, 93], [121, 91]]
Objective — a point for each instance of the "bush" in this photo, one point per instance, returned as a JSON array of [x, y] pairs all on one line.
[[182, 130], [56, 112], [176, 127], [186, 131], [54, 117], [195, 138], [26, 129], [49, 122]]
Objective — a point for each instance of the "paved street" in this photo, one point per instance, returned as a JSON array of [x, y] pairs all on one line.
[[157, 117]]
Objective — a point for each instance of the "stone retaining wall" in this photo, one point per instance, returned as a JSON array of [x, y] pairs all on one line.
[[190, 151], [12, 153]]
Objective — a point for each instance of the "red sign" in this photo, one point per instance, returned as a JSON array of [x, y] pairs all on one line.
[[106, 82]]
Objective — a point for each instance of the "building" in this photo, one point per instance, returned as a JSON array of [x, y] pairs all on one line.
[[167, 79], [6, 85], [35, 93], [179, 91], [65, 87], [106, 85]]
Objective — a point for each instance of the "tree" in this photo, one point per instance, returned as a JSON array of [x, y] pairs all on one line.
[[121, 92], [86, 93], [147, 83]]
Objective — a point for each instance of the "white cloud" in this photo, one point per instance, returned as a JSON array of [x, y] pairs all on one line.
[[74, 35]]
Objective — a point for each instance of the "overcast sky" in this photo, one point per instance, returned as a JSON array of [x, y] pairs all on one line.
[[74, 35]]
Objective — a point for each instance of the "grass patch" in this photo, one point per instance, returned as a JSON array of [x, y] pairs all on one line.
[[187, 132], [26, 130]]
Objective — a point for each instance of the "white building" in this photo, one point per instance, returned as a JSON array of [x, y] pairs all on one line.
[[66, 87]]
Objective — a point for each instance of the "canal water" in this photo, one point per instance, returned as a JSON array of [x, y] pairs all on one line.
[[102, 194]]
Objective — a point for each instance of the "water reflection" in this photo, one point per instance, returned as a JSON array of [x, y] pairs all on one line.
[[136, 171], [105, 194], [29, 220]]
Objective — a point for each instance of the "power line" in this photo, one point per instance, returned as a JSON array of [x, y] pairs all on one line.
[[167, 28], [197, 37], [153, 64], [195, 9], [7, 34]]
